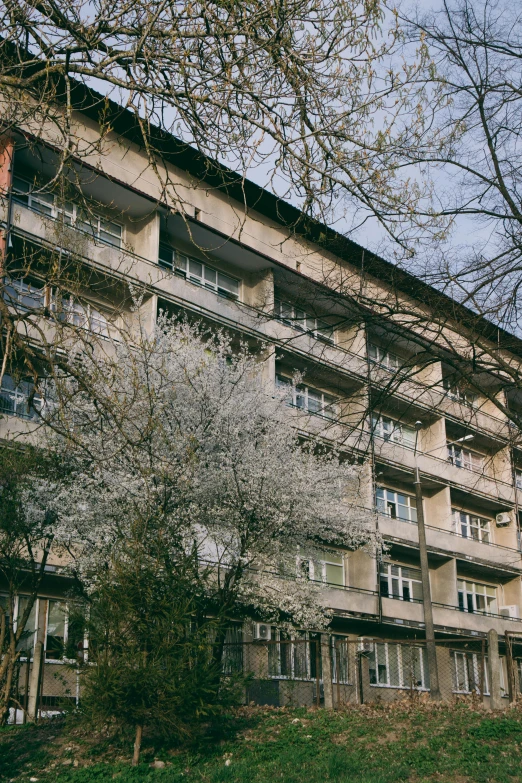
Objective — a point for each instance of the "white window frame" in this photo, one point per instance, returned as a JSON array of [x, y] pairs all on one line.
[[84, 316], [17, 291], [470, 592], [393, 430], [34, 631], [18, 397], [302, 321], [315, 567], [341, 646], [402, 580], [300, 396], [221, 283], [382, 654], [384, 358], [466, 525], [464, 458], [461, 661], [518, 478], [457, 392], [100, 228], [390, 497]]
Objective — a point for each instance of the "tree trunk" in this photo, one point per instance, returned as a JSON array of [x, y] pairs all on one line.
[[137, 745]]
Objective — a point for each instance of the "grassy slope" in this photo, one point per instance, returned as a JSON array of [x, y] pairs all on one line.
[[364, 745]]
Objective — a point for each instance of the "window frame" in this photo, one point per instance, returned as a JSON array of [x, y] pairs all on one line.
[[403, 581], [96, 226], [469, 460], [328, 402], [318, 567], [18, 397], [396, 432], [461, 524], [401, 666], [468, 598], [180, 265], [310, 324], [412, 517], [466, 657], [384, 358], [457, 392]]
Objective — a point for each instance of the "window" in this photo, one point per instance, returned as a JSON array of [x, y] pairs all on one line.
[[197, 272], [402, 582], [84, 316], [106, 231], [458, 392], [15, 396], [56, 626], [394, 431], [28, 638], [22, 294], [477, 598], [471, 526], [386, 359], [518, 479], [232, 661], [463, 458], [340, 659], [396, 504], [398, 666], [324, 566], [305, 322], [468, 671], [307, 398], [293, 657]]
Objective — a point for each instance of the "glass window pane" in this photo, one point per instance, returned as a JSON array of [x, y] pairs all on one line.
[[228, 285], [27, 639], [195, 268], [334, 574], [55, 639]]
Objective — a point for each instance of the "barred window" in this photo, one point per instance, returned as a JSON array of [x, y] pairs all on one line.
[[398, 666]]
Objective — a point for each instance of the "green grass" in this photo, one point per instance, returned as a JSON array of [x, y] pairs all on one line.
[[456, 744]]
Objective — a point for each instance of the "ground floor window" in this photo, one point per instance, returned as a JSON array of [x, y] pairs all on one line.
[[398, 666], [469, 671], [232, 660], [340, 659], [294, 657]]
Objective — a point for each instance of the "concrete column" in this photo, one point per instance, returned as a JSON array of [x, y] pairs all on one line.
[[326, 661], [35, 681], [495, 700]]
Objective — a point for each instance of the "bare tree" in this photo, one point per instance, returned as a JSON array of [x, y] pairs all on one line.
[[476, 47]]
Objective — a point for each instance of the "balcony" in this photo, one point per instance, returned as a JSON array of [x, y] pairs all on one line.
[[450, 542]]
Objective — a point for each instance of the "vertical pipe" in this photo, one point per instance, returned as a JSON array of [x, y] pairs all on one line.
[[338, 672], [317, 673]]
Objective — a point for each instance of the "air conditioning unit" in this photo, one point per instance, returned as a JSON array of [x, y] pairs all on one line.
[[510, 611], [262, 632], [503, 519], [365, 645]]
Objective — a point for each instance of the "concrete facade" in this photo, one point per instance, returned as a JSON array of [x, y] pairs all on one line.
[[475, 561]]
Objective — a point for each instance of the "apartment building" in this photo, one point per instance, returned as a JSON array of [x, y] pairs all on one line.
[[267, 275]]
